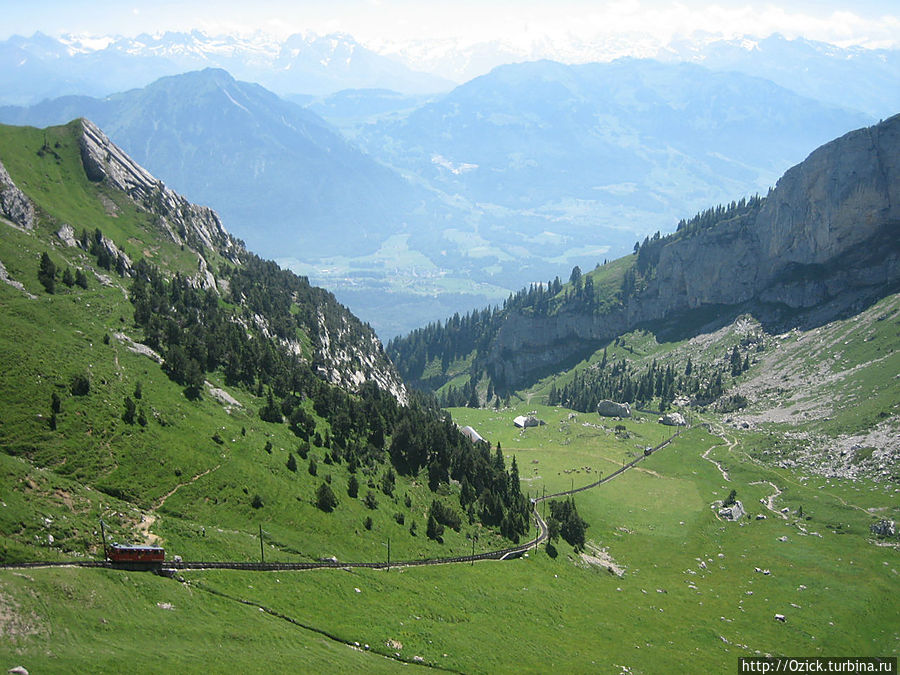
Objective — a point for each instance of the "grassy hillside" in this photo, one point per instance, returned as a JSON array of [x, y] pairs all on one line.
[[177, 465]]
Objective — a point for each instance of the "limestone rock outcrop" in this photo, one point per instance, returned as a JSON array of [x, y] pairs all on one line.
[[183, 222], [343, 354], [14, 205], [673, 419], [825, 238], [733, 512]]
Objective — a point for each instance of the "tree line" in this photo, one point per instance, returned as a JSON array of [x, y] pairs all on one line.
[[620, 381]]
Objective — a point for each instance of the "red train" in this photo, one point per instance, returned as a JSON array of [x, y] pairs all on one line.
[[147, 555]]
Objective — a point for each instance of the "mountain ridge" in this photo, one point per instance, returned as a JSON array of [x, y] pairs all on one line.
[[534, 166], [250, 154], [347, 353]]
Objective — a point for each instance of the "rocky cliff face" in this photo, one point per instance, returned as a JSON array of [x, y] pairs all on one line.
[[184, 222], [813, 239], [14, 205], [827, 236], [198, 227]]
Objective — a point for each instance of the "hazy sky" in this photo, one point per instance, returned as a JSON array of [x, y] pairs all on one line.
[[868, 22]]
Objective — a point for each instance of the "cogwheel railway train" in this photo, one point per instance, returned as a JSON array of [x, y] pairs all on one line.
[[135, 557], [121, 553]]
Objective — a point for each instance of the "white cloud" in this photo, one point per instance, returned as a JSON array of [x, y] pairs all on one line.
[[519, 22]]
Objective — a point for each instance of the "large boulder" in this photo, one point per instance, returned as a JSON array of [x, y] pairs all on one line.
[[523, 422], [673, 419], [733, 512], [14, 205], [608, 408]]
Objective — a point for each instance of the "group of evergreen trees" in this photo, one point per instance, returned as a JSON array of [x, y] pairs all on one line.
[[426, 355], [47, 273], [564, 521], [620, 381], [745, 209], [489, 494]]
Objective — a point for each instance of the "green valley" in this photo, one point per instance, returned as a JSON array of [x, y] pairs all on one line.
[[193, 396]]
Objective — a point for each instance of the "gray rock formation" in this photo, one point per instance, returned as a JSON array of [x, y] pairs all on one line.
[[66, 235], [342, 358], [733, 512], [826, 238], [6, 279], [673, 419], [607, 408], [14, 205], [183, 222], [526, 421]]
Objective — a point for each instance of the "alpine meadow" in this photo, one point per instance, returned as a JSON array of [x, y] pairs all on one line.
[[585, 366]]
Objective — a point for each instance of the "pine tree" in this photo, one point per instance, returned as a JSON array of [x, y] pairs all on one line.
[[434, 530], [736, 362], [325, 498], [370, 500], [47, 273], [130, 409]]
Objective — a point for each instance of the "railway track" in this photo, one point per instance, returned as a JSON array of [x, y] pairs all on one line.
[[502, 554]]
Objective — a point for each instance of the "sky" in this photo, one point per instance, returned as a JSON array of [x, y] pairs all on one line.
[[870, 23]]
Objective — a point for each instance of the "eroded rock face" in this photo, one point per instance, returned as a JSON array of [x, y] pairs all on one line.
[[827, 235], [342, 358], [733, 512], [184, 222], [14, 205]]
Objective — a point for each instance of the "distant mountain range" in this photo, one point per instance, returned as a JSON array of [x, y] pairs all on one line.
[[39, 67], [853, 77], [516, 176], [561, 164]]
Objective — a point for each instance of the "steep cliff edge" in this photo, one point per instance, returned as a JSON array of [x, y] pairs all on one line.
[[352, 361], [825, 240]]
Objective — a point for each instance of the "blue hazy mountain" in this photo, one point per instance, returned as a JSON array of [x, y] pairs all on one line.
[[556, 141], [279, 175], [853, 77]]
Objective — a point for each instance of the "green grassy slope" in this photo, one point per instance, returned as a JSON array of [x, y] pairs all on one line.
[[666, 612]]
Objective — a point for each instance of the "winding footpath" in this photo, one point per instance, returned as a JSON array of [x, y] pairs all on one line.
[[720, 432]]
